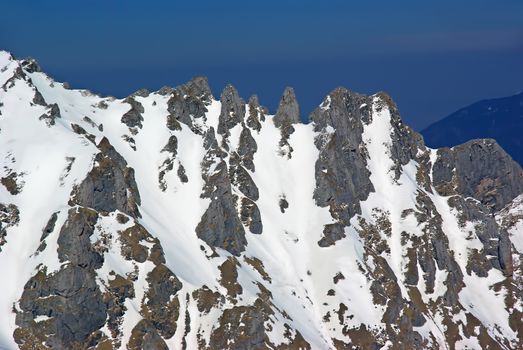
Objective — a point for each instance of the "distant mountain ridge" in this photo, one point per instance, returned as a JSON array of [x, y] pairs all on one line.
[[499, 118]]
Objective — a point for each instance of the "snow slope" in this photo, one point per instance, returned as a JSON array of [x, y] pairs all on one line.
[[304, 294]]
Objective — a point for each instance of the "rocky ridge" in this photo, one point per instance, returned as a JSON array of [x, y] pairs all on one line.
[[174, 220]]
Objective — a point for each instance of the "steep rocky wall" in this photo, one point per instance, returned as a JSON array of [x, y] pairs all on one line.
[[172, 220]]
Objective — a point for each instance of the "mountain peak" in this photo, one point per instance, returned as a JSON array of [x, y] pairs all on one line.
[[288, 112], [31, 65], [232, 109], [171, 220]]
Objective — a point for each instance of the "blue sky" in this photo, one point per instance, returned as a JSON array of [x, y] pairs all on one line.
[[431, 57]]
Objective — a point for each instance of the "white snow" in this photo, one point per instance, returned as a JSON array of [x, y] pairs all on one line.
[[301, 271], [25, 138], [326, 104]]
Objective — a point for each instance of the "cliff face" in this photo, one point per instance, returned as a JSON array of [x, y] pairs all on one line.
[[174, 220]]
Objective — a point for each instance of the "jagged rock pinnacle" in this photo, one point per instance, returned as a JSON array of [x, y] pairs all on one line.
[[288, 111], [199, 86], [233, 109], [186, 222]]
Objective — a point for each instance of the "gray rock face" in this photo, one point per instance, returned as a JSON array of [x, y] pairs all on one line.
[[425, 254], [509, 218], [182, 175], [251, 324], [118, 290], [220, 225], [331, 234], [188, 102], [51, 115], [283, 204], [110, 185], [433, 251], [256, 114], [171, 146], [288, 112], [254, 332], [9, 216], [70, 297], [49, 227], [406, 260], [241, 179], [239, 162], [38, 99], [89, 121], [405, 141], [250, 216], [161, 308], [31, 65], [233, 110], [141, 93], [72, 302], [74, 245], [342, 177], [496, 244], [12, 183], [510, 215], [168, 164], [478, 169], [18, 75], [165, 90], [145, 336], [133, 118], [246, 149], [430, 252]]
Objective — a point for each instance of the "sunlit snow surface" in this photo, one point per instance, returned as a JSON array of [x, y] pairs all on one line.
[[301, 271]]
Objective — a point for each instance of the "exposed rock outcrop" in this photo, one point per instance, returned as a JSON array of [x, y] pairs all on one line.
[[133, 118], [110, 185], [478, 169], [288, 113], [51, 115], [212, 232], [342, 176], [51, 303], [232, 112], [220, 225], [187, 103], [9, 216], [256, 113]]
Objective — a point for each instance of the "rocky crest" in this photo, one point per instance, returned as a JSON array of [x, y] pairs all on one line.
[[171, 220]]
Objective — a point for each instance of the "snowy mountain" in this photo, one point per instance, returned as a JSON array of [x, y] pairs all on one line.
[[174, 220], [499, 118]]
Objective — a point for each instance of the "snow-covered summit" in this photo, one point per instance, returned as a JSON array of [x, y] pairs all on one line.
[[175, 220]]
